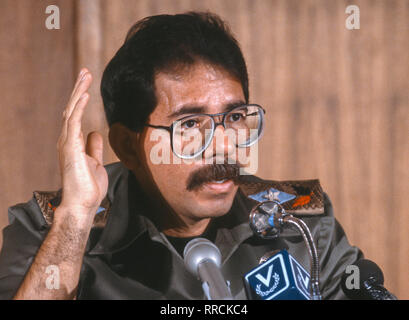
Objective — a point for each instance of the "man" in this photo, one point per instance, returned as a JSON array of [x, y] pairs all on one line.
[[118, 232]]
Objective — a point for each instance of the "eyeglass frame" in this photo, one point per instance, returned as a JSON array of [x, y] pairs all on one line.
[[212, 116]]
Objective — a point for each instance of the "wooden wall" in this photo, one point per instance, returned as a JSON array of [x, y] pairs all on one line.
[[337, 100]]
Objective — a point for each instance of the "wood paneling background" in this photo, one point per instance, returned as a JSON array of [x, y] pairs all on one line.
[[337, 100]]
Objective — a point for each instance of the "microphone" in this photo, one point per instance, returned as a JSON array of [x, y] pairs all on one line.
[[268, 218], [278, 277], [203, 259], [369, 285]]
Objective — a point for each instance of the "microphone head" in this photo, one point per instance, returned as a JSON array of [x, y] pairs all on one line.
[[368, 270], [263, 217], [199, 250]]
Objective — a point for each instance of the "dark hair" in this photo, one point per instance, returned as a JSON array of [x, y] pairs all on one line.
[[164, 43]]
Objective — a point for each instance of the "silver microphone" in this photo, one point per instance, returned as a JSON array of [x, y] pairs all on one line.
[[268, 218], [203, 259]]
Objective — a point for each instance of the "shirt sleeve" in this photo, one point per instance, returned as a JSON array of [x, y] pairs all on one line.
[[21, 240], [335, 253]]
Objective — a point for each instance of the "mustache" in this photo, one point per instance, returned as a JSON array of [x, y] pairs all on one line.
[[213, 172]]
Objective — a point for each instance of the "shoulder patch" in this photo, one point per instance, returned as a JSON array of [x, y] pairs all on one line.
[[48, 201], [298, 197]]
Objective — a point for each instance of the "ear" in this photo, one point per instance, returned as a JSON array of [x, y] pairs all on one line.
[[124, 143]]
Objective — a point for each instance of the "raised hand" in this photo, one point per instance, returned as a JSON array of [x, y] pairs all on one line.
[[83, 176], [84, 185]]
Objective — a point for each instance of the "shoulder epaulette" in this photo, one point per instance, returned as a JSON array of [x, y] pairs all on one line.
[[48, 201], [299, 197]]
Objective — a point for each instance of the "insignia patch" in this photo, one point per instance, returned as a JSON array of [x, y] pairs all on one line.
[[273, 195], [49, 201], [300, 197]]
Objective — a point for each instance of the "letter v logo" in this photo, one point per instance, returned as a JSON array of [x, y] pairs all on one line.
[[265, 281]]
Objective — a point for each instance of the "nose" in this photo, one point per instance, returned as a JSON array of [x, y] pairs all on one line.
[[222, 147]]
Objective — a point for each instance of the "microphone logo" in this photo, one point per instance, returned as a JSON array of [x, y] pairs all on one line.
[[266, 284]]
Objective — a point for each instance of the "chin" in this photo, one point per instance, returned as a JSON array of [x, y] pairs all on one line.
[[212, 207]]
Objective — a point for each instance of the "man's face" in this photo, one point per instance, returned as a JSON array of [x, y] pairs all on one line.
[[201, 89]]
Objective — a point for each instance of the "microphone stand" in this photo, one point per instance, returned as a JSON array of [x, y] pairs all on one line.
[[268, 224]]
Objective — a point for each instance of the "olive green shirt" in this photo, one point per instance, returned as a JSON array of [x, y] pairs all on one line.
[[127, 257]]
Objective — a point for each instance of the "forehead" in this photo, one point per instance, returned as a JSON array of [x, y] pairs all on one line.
[[201, 85]]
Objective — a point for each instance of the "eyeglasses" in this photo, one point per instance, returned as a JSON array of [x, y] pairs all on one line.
[[191, 135]]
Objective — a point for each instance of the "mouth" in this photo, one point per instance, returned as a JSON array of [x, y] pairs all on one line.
[[220, 186], [217, 177]]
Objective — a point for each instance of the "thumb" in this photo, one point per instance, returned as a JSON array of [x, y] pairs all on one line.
[[95, 146]]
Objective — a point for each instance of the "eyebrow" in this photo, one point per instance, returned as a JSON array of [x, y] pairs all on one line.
[[192, 109]]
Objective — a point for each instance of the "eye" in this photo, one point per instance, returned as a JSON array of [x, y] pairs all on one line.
[[189, 124], [234, 117]]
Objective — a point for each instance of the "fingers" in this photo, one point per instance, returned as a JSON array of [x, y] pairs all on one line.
[[81, 86], [78, 81], [76, 101], [94, 146], [74, 122]]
